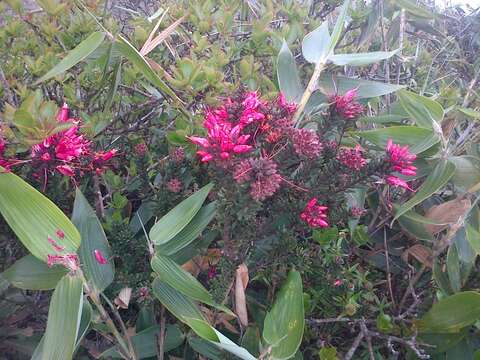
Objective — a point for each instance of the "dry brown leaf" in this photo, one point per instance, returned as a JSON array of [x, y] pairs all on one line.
[[202, 263], [420, 253], [123, 298], [241, 282], [151, 44], [447, 127], [446, 214]]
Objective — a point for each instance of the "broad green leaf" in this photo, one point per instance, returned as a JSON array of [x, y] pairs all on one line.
[[316, 44], [339, 25], [190, 232], [284, 323], [176, 219], [129, 51], [145, 342], [181, 280], [360, 59], [414, 9], [382, 119], [93, 238], [465, 251], [424, 111], [29, 273], [64, 317], [33, 217], [412, 226], [471, 113], [74, 56], [83, 328], [206, 348], [451, 314], [467, 173], [434, 182], [178, 304], [331, 84], [226, 344], [453, 269], [473, 238], [202, 329], [418, 139], [142, 216], [287, 75]]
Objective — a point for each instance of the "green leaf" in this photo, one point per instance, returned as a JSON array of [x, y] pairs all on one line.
[[339, 25], [228, 345], [467, 172], [205, 348], [284, 324], [473, 238], [176, 219], [418, 139], [452, 313], [29, 273], [424, 111], [316, 44], [74, 56], [453, 269], [93, 238], [33, 217], [434, 182], [382, 119], [181, 280], [202, 329], [411, 223], [145, 342], [360, 59], [471, 113], [129, 51], [178, 304], [190, 232], [287, 74], [64, 317], [331, 84]]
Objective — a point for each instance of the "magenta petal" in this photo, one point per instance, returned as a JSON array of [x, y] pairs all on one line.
[[199, 141], [239, 149], [99, 257]]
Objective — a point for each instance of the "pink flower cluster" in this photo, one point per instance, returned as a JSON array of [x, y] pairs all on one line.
[[174, 185], [261, 174], [346, 106], [315, 215], [225, 136], [306, 143], [68, 151], [401, 161], [352, 158]]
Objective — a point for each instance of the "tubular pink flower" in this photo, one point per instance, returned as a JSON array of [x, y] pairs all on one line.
[[397, 182], [63, 113], [315, 215], [346, 106], [65, 170], [401, 161], [352, 157], [199, 141], [306, 143], [99, 257], [290, 108]]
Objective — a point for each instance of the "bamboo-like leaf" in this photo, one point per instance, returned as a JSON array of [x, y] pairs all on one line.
[[435, 181], [287, 75], [360, 59], [424, 111], [74, 56], [283, 326], [339, 25], [93, 238], [176, 219], [29, 273], [316, 44], [33, 217], [129, 51], [190, 232], [330, 84], [64, 317], [418, 139]]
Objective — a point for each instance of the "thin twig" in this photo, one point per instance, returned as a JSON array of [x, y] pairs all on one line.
[[161, 335], [387, 261], [354, 346]]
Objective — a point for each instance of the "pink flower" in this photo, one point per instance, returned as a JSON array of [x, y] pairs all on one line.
[[174, 185], [397, 182], [251, 105], [99, 257], [178, 155], [69, 261], [352, 157], [290, 108], [306, 143], [63, 113], [140, 149], [356, 211], [337, 282], [65, 170], [346, 106], [105, 156], [315, 215], [212, 272], [401, 159]]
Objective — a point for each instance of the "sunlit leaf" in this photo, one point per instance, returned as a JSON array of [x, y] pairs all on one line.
[[359, 59], [287, 74], [316, 44]]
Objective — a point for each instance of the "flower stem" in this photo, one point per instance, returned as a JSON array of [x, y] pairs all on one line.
[[312, 85]]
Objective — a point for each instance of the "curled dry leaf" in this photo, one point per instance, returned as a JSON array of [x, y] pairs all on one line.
[[420, 253], [123, 298], [202, 263], [241, 282], [446, 214]]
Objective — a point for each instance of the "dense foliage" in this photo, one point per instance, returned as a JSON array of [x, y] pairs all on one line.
[[239, 179]]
